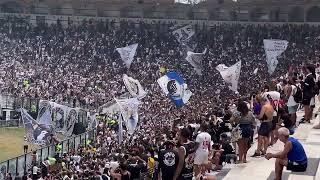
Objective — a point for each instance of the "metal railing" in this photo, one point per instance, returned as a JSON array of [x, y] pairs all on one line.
[[12, 102], [21, 164], [11, 123]]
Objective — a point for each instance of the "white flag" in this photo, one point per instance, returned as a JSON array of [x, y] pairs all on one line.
[[134, 87], [255, 71], [221, 67], [127, 54], [231, 74], [195, 59], [129, 112], [184, 34], [273, 49]]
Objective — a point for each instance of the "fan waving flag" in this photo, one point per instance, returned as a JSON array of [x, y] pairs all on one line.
[[184, 34], [230, 75], [173, 85], [127, 54], [129, 112], [273, 49], [134, 87], [195, 59]]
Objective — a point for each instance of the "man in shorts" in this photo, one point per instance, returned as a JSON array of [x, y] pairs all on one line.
[[203, 142], [293, 155]]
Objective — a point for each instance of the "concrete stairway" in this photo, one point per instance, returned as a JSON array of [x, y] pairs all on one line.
[[262, 169]]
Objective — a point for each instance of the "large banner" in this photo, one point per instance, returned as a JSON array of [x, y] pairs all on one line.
[[35, 133], [273, 49], [129, 113], [173, 85], [230, 74], [59, 118], [134, 87], [184, 34], [44, 114], [195, 59], [127, 54]]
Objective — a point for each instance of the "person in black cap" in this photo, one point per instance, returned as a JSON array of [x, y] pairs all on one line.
[[168, 161]]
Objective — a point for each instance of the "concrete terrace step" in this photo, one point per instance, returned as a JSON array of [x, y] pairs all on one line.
[[262, 169]]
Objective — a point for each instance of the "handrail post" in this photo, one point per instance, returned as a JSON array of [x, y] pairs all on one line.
[[17, 165], [25, 163]]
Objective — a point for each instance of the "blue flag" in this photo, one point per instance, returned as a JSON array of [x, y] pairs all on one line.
[[173, 85]]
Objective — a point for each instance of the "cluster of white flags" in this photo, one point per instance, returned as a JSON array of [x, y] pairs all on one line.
[[184, 34], [134, 87], [273, 49], [129, 114], [230, 74], [195, 59], [127, 54]]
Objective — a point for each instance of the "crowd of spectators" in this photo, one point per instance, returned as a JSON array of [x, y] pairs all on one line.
[[79, 65]]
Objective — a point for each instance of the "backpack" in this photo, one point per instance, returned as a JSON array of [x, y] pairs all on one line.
[[298, 95]]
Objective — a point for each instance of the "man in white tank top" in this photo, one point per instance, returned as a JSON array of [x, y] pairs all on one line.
[[290, 90], [203, 143]]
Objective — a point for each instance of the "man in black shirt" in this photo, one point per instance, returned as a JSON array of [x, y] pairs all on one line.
[[308, 91], [185, 166], [168, 161]]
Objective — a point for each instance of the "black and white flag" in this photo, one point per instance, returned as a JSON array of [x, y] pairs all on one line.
[[273, 49], [127, 54], [230, 75], [134, 87], [35, 133], [195, 59], [184, 34], [129, 113]]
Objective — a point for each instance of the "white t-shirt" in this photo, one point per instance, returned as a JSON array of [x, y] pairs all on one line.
[[204, 140], [114, 165], [35, 170], [291, 101]]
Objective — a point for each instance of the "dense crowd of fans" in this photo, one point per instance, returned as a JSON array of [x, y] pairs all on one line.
[[79, 65]]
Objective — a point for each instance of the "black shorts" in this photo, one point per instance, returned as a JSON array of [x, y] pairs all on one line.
[[274, 122], [306, 101], [295, 167], [265, 129], [246, 130]]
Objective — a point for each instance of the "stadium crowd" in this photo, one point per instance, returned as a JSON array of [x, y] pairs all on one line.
[[79, 65]]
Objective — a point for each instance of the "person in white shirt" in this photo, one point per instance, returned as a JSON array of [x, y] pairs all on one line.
[[203, 144], [35, 170], [290, 90]]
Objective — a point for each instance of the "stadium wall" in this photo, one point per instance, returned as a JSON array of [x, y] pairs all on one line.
[[227, 10], [76, 20]]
